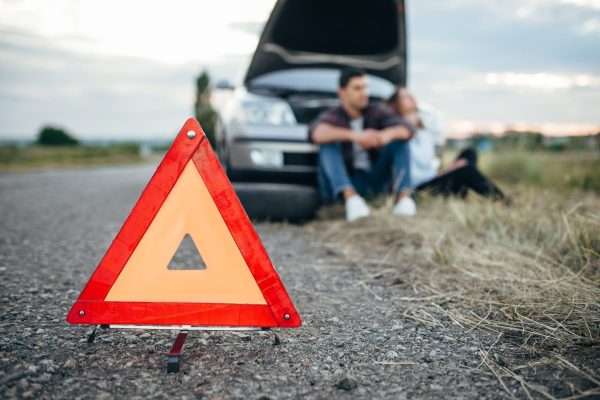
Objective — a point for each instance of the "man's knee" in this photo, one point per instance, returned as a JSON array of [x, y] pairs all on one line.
[[330, 152], [398, 146], [330, 147]]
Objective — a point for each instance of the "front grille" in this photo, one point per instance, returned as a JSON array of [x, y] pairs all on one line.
[[300, 159], [307, 115]]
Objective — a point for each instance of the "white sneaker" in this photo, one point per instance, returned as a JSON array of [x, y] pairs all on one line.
[[356, 208], [405, 206]]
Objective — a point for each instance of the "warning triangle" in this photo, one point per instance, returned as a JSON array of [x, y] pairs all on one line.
[[187, 254]]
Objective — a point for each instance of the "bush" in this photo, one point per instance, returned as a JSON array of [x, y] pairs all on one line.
[[52, 136], [130, 148]]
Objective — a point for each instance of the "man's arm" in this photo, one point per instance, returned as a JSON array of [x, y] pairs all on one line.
[[326, 133]]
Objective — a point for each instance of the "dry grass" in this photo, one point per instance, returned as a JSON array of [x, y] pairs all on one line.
[[530, 271]]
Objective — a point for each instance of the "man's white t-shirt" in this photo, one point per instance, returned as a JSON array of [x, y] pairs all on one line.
[[360, 155]]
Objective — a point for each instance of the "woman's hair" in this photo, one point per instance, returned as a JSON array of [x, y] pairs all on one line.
[[400, 90], [395, 100]]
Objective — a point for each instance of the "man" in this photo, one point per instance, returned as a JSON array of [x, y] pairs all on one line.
[[363, 150]]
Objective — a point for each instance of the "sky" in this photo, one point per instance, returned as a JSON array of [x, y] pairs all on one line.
[[125, 69]]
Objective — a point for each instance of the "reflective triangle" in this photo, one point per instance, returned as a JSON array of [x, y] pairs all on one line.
[[188, 202]]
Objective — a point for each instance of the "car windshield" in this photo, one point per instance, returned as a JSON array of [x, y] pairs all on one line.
[[316, 80]]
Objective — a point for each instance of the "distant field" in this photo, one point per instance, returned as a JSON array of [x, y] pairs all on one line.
[[561, 171], [33, 157]]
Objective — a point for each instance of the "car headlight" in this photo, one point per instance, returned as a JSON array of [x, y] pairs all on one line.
[[268, 113]]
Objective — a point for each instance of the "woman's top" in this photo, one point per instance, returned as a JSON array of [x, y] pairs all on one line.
[[424, 164]]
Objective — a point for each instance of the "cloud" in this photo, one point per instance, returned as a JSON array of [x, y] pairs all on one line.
[[542, 80], [94, 95], [251, 27], [174, 32]]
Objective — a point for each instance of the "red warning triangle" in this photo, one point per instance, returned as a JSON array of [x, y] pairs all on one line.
[[189, 197]]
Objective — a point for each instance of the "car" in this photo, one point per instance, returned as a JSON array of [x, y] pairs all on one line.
[[263, 121]]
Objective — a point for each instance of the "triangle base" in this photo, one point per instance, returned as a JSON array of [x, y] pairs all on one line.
[[194, 314]]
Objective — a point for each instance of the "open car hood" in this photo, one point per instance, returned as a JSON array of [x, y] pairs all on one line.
[[367, 34]]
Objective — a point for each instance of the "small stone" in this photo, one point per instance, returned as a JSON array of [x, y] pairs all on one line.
[[12, 377], [391, 354], [346, 384], [45, 377], [104, 396], [102, 385], [70, 363]]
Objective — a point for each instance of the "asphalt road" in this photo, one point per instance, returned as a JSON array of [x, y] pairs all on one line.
[[354, 343]]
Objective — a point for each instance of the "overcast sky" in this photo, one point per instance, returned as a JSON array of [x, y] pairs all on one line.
[[126, 69]]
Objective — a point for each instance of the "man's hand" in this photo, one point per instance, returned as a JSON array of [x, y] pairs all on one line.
[[368, 139], [386, 137]]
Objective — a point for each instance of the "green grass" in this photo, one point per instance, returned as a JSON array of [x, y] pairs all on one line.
[[33, 157], [560, 171]]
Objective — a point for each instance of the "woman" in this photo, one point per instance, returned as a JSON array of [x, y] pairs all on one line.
[[459, 177]]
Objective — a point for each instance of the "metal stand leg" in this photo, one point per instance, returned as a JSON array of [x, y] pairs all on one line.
[[174, 356], [92, 336]]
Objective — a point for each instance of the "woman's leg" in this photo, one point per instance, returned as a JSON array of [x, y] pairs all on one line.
[[458, 181]]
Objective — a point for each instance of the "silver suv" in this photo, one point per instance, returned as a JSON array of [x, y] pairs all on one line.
[[262, 129]]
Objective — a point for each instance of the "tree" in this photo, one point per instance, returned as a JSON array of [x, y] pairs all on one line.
[[205, 114], [53, 136]]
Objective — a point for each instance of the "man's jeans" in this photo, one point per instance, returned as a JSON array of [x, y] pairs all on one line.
[[390, 171]]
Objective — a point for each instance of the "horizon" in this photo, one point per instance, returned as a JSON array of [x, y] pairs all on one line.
[[162, 139]]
